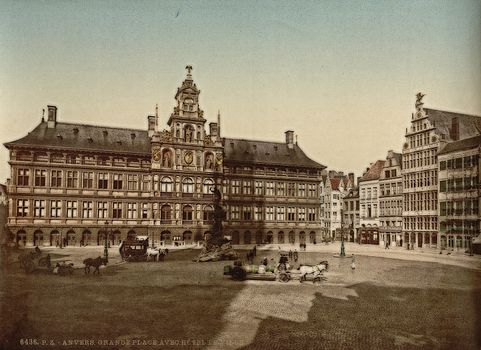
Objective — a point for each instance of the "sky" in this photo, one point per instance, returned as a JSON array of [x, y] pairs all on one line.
[[342, 74]]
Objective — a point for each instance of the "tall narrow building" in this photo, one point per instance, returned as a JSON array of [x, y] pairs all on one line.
[[430, 130]]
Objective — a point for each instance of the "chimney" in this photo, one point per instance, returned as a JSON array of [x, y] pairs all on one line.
[[151, 125], [290, 139], [351, 178], [332, 174], [52, 116], [213, 128], [358, 179], [455, 129]]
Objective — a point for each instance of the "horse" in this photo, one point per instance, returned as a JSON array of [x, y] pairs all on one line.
[[315, 270], [153, 252], [94, 263]]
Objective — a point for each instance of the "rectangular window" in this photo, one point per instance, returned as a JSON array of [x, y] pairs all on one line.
[[117, 210], [259, 187], [145, 183], [312, 190], [131, 210], [102, 210], [55, 208], [145, 210], [269, 188], [269, 213], [103, 181], [56, 178], [72, 179], [246, 187], [291, 189], [40, 177], [312, 214], [281, 213], [302, 190], [258, 213], [442, 165], [442, 186], [132, 182], [302, 214], [291, 214], [22, 207], [246, 213], [118, 182], [72, 209], [235, 187], [235, 212], [88, 179], [281, 188], [23, 177], [87, 209], [39, 208]]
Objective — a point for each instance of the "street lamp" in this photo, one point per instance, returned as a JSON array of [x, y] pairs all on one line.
[[106, 247]]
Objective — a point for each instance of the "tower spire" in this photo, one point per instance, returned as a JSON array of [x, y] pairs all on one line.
[[218, 122], [189, 71], [156, 117]]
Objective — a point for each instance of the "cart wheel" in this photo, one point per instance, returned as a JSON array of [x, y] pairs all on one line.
[[284, 277]]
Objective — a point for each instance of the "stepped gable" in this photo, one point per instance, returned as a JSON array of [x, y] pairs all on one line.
[[86, 137], [468, 143], [263, 152], [469, 125], [374, 171]]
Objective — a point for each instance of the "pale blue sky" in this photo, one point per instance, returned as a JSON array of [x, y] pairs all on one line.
[[342, 74]]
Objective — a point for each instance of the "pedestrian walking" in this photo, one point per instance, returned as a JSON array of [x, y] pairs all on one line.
[[290, 254], [254, 250], [353, 263], [295, 255]]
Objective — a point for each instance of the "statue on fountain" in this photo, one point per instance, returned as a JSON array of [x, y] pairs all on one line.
[[217, 247]]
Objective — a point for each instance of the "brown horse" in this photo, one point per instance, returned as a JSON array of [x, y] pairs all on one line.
[[94, 263]]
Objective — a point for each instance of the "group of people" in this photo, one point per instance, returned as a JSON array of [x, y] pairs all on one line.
[[293, 255]]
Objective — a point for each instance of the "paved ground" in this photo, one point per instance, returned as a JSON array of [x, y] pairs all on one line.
[[382, 304]]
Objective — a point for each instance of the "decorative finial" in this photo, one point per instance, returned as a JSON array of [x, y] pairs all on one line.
[[419, 102], [156, 116], [189, 71], [218, 122], [296, 139], [43, 115]]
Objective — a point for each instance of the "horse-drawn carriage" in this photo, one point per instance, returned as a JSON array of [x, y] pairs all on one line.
[[137, 249], [282, 272], [35, 260]]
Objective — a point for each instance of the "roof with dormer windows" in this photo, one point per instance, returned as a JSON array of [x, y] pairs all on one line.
[[86, 137], [270, 153], [461, 145]]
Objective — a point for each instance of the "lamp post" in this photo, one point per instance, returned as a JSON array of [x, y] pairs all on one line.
[[106, 246]]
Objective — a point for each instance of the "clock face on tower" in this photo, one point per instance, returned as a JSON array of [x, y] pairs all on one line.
[[156, 154], [188, 157]]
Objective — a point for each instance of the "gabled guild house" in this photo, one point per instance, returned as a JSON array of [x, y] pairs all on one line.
[[72, 184]]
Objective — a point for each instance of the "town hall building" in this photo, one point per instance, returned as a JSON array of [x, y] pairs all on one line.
[[74, 184]]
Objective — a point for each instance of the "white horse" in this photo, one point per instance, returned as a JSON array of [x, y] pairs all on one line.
[[314, 270], [153, 252]]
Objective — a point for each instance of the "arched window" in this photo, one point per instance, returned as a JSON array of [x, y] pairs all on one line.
[[207, 186], [187, 214], [188, 185], [166, 184], [165, 213], [208, 214]]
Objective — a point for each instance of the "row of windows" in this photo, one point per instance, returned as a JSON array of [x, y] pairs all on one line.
[[369, 193], [420, 201], [272, 188], [459, 184], [420, 179], [59, 158], [91, 180], [390, 173], [390, 189], [369, 211], [459, 207], [390, 207], [420, 223], [271, 213], [103, 210], [418, 159], [419, 140], [460, 163], [459, 226], [351, 205]]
